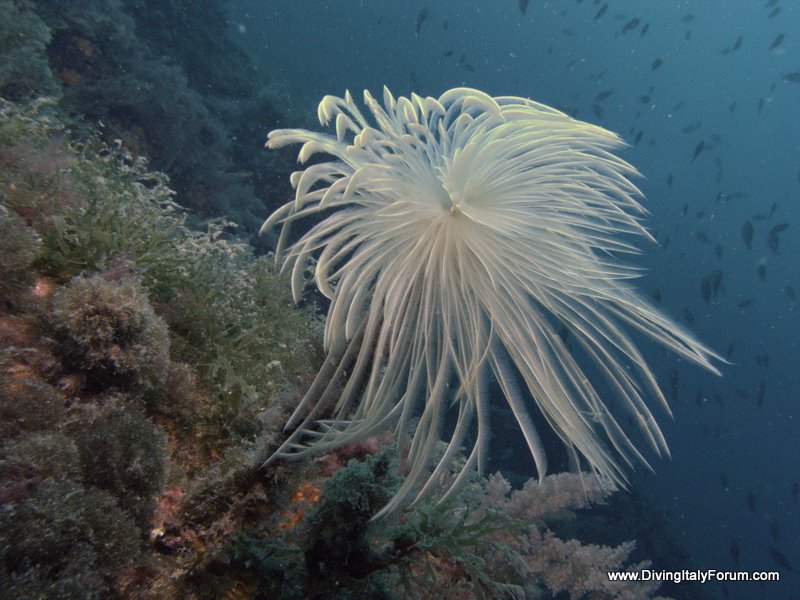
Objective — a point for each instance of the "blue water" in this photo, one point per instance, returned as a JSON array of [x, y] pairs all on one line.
[[737, 102]]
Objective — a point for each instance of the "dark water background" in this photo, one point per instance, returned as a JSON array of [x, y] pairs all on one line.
[[735, 441]]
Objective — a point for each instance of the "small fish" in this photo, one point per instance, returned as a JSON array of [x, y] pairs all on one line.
[[705, 289], [688, 35], [656, 295], [656, 63], [780, 227], [761, 394], [597, 110], [687, 18], [751, 501], [468, 67], [732, 107], [604, 95], [745, 303], [735, 552], [632, 24], [762, 272], [718, 251], [795, 491], [716, 282], [771, 3], [645, 29], [638, 138], [789, 291], [698, 150], [701, 236], [673, 384], [693, 127], [670, 179], [723, 480], [523, 6], [777, 41], [731, 347], [747, 234], [773, 241], [449, 53], [601, 12], [422, 15], [762, 359], [775, 12], [688, 316], [793, 77], [644, 99], [738, 43], [774, 530], [779, 558]]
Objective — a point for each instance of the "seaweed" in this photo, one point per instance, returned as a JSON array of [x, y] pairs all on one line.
[[123, 453], [109, 330], [64, 541]]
